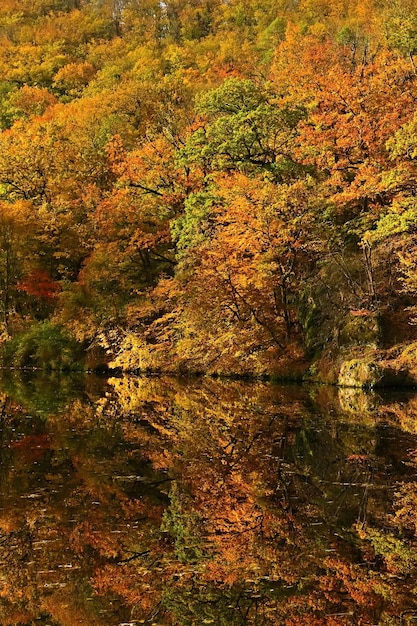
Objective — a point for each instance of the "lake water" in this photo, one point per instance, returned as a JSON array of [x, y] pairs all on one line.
[[190, 502]]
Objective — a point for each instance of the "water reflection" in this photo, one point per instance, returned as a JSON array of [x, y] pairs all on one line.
[[163, 501]]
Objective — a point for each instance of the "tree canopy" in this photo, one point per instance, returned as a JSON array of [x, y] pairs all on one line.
[[207, 186]]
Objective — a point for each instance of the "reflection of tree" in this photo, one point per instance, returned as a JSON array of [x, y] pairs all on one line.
[[172, 502], [272, 506], [67, 506]]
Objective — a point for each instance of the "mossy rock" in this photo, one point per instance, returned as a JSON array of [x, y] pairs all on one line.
[[368, 373]]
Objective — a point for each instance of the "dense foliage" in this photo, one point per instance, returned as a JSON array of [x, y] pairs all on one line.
[[206, 185]]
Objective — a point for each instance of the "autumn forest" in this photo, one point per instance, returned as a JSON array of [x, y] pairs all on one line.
[[225, 188], [210, 186]]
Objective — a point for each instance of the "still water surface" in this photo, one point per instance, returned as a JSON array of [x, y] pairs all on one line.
[[164, 501]]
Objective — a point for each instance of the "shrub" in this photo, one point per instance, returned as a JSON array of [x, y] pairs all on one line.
[[44, 345]]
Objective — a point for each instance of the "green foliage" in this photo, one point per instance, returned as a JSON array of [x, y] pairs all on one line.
[[182, 525], [196, 223], [273, 33], [245, 130], [234, 96], [399, 557], [395, 223], [43, 345], [7, 89], [404, 142], [401, 28]]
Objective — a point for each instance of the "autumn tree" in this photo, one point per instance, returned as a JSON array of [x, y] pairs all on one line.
[[16, 250], [246, 130]]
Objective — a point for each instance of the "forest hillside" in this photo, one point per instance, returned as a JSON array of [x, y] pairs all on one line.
[[210, 186]]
